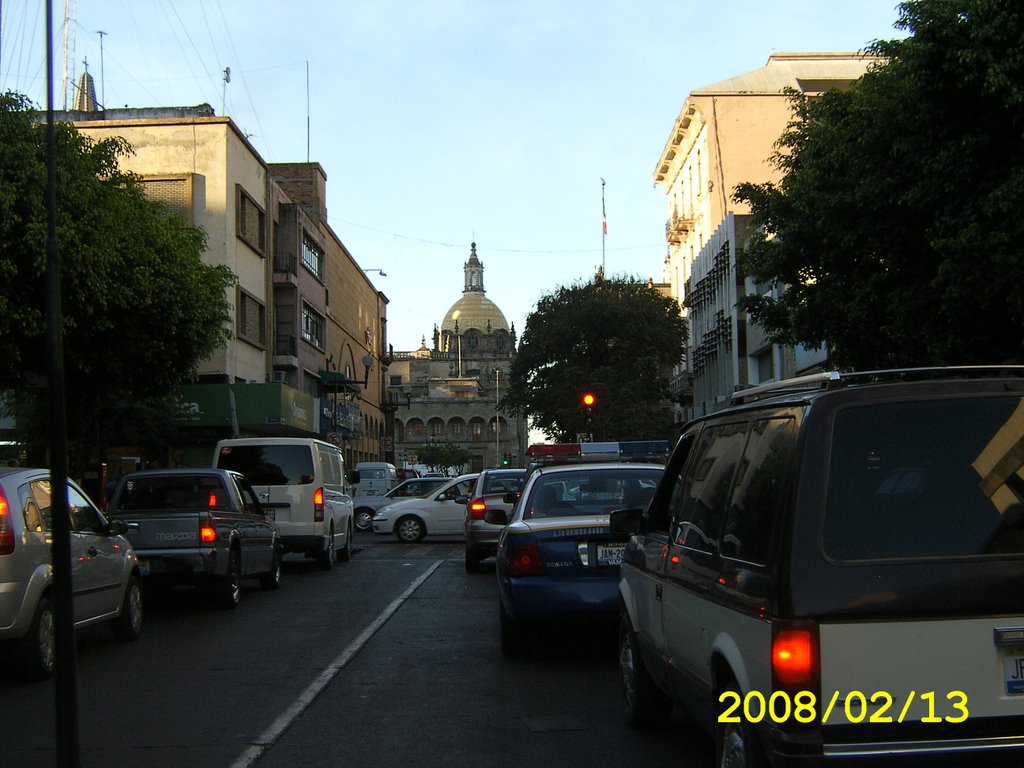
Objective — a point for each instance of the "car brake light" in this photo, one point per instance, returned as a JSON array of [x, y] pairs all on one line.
[[6, 529], [525, 561], [318, 505], [477, 507], [207, 533], [795, 653]]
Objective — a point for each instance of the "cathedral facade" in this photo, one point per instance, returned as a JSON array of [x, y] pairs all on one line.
[[450, 391]]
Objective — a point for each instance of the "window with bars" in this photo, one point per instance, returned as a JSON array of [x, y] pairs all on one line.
[[312, 326], [252, 319], [252, 222], [312, 257]]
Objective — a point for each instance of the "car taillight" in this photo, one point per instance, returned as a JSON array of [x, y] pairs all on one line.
[[477, 507], [524, 560], [6, 528], [207, 533], [795, 654], [318, 505]]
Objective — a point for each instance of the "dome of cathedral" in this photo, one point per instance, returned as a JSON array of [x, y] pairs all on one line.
[[474, 310]]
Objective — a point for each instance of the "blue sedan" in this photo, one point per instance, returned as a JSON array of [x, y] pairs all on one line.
[[557, 557]]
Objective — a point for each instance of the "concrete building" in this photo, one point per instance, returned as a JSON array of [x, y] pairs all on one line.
[[449, 392], [308, 329], [725, 134]]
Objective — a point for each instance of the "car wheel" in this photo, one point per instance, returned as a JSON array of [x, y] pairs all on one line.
[[472, 561], [128, 625], [410, 529], [327, 557], [228, 588], [272, 578], [736, 744], [364, 518], [646, 704], [36, 652], [513, 636], [345, 553]]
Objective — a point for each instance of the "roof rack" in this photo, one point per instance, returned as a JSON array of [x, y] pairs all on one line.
[[834, 379]]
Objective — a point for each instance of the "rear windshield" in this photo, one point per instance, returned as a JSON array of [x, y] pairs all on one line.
[[935, 478], [590, 492], [269, 464], [504, 483], [373, 474], [139, 494]]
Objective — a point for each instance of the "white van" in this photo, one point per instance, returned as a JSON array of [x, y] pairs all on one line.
[[375, 478], [303, 485]]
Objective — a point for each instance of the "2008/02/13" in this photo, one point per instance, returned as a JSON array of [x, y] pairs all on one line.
[[781, 707]]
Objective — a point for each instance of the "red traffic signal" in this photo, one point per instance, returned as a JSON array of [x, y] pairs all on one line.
[[589, 399]]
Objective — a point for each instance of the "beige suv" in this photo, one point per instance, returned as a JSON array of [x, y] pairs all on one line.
[[105, 571], [831, 571]]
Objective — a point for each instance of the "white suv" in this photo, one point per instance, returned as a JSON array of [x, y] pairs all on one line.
[[105, 572], [831, 571]]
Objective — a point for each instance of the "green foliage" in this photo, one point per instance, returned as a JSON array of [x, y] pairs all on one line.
[[616, 338], [140, 307], [443, 457], [896, 229]]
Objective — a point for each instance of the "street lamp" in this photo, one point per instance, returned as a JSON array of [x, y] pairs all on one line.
[[381, 272]]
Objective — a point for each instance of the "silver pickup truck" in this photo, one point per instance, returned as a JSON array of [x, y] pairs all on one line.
[[200, 527]]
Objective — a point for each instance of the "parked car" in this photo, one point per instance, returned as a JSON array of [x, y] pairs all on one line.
[[439, 513], [104, 569], [848, 550], [199, 527], [557, 558], [366, 506], [304, 483], [494, 489]]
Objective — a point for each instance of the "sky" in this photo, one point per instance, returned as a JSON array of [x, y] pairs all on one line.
[[439, 123]]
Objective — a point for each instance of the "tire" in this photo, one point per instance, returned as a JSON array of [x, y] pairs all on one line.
[[128, 625], [272, 578], [646, 705], [472, 561], [364, 518], [410, 529], [345, 553], [327, 557], [513, 637], [35, 652], [227, 590], [736, 744]]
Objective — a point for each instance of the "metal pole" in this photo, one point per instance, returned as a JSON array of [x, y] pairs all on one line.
[[497, 421]]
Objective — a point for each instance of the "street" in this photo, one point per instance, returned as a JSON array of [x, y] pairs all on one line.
[[391, 659]]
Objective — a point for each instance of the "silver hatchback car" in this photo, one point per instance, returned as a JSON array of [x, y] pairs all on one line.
[[105, 572]]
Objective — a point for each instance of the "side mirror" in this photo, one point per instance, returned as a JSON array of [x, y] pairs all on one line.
[[117, 527], [462, 499], [353, 476], [496, 517], [511, 497], [626, 521]]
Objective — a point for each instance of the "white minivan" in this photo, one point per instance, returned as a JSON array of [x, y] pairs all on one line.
[[303, 485], [375, 478]]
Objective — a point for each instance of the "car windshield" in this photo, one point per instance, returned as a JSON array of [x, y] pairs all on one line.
[[590, 491], [937, 478]]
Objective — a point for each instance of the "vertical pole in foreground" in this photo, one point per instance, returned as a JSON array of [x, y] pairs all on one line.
[[65, 684]]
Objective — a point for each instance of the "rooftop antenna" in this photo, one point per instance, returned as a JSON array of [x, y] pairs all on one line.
[[70, 22], [224, 98], [103, 82]]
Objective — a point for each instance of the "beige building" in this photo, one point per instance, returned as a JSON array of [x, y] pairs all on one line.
[[308, 331], [449, 392], [725, 134]]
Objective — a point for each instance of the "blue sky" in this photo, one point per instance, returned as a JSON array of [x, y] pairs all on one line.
[[441, 122]]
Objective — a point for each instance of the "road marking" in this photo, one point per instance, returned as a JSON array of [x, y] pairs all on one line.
[[267, 739]]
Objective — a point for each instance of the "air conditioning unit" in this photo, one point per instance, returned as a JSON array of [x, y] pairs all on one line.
[[279, 377]]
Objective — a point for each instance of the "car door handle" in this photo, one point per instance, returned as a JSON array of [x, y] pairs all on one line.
[[657, 591]]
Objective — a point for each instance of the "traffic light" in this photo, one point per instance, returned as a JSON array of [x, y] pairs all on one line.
[[589, 401], [505, 458]]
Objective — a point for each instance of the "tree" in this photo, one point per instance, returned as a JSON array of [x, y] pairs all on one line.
[[443, 457], [141, 309], [896, 228], [614, 338]]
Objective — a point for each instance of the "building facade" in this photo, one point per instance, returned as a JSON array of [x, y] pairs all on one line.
[[308, 327], [725, 134], [450, 391]]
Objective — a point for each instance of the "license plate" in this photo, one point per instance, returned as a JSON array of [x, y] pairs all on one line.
[[1013, 671], [144, 567], [610, 554]]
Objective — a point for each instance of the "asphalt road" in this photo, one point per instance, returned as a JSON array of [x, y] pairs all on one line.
[[391, 659]]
